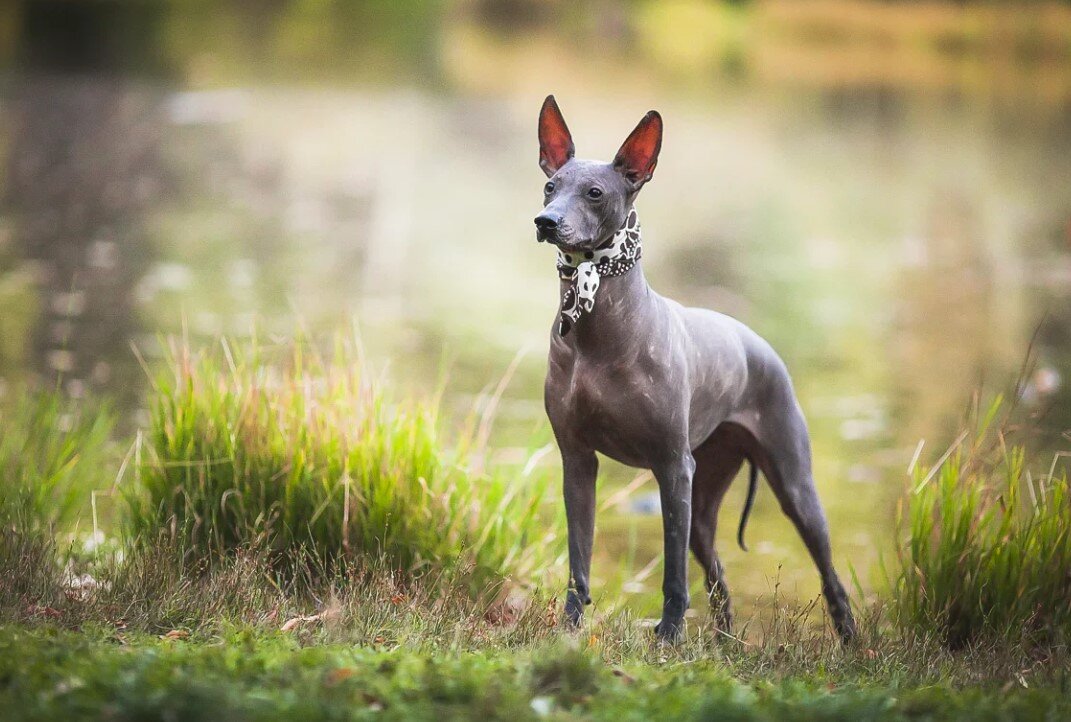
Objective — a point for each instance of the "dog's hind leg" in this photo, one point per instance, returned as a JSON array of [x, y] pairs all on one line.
[[717, 461], [785, 459]]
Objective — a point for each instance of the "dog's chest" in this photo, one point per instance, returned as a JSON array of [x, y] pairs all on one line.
[[623, 411]]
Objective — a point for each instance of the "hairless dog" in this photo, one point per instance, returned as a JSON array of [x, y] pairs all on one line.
[[688, 393]]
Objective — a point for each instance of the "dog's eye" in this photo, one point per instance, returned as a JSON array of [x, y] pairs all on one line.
[[548, 188], [594, 193]]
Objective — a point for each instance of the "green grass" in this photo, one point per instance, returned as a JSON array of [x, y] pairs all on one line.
[[48, 674], [296, 454], [53, 453], [989, 544], [237, 642], [240, 606]]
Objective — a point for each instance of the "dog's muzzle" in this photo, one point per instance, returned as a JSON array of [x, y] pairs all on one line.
[[547, 227]]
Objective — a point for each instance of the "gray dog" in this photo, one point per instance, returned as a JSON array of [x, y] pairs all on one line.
[[688, 393]]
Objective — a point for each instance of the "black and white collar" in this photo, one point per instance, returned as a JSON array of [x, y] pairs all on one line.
[[585, 268]]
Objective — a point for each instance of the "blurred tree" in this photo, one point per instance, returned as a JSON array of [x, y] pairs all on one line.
[[83, 162]]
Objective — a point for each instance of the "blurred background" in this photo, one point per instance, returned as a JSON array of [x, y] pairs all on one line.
[[881, 189]]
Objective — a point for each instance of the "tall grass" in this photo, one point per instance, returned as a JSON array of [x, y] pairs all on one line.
[[989, 543], [53, 452], [296, 454]]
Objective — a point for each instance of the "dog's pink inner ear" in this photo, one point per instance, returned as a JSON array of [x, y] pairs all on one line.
[[555, 141], [638, 156]]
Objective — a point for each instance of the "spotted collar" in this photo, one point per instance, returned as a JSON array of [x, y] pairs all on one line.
[[585, 268]]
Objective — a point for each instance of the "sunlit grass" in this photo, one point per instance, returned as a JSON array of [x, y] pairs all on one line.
[[154, 634], [53, 452], [307, 546], [294, 453], [989, 546], [55, 674]]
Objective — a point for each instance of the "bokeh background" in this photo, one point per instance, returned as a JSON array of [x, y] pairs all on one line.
[[881, 189]]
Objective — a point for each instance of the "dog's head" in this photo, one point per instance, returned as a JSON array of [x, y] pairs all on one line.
[[585, 201]]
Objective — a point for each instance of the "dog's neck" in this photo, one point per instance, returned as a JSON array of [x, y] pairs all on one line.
[[618, 319], [582, 272]]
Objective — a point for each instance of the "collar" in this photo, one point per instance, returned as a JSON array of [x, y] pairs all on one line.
[[585, 268]]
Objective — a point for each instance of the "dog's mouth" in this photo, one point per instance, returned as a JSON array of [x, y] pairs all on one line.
[[546, 236], [563, 242], [572, 246]]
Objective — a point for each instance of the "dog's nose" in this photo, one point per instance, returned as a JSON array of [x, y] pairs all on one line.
[[547, 223]]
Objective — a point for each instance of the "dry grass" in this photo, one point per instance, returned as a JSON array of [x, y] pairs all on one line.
[[154, 592]]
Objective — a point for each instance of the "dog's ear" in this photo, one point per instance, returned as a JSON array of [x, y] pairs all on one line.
[[638, 156], [555, 142]]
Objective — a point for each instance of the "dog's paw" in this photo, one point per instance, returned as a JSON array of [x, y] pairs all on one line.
[[575, 601], [669, 632], [847, 631], [574, 611]]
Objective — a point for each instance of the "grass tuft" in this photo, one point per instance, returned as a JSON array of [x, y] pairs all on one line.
[[989, 544], [295, 454]]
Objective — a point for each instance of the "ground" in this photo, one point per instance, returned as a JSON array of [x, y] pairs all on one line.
[[99, 672]]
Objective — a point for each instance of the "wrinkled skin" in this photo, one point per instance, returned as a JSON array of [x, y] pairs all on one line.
[[688, 393]]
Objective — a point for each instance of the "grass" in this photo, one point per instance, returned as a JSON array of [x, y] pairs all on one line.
[[237, 641], [53, 453], [307, 456], [298, 545], [989, 543], [51, 674]]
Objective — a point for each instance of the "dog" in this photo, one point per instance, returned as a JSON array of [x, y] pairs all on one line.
[[685, 392]]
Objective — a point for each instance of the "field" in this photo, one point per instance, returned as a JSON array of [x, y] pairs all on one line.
[[239, 675], [153, 641], [289, 542]]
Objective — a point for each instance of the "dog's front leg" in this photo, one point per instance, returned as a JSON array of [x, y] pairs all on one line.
[[579, 467], [675, 490]]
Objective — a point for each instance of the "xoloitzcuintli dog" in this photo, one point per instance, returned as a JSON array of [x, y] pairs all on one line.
[[688, 393]]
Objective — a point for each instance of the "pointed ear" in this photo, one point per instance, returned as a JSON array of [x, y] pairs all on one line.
[[555, 142], [638, 156]]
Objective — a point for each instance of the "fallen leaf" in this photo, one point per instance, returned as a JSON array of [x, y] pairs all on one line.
[[292, 624], [331, 613], [36, 610]]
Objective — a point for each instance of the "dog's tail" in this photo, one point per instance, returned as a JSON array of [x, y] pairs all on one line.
[[752, 486]]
